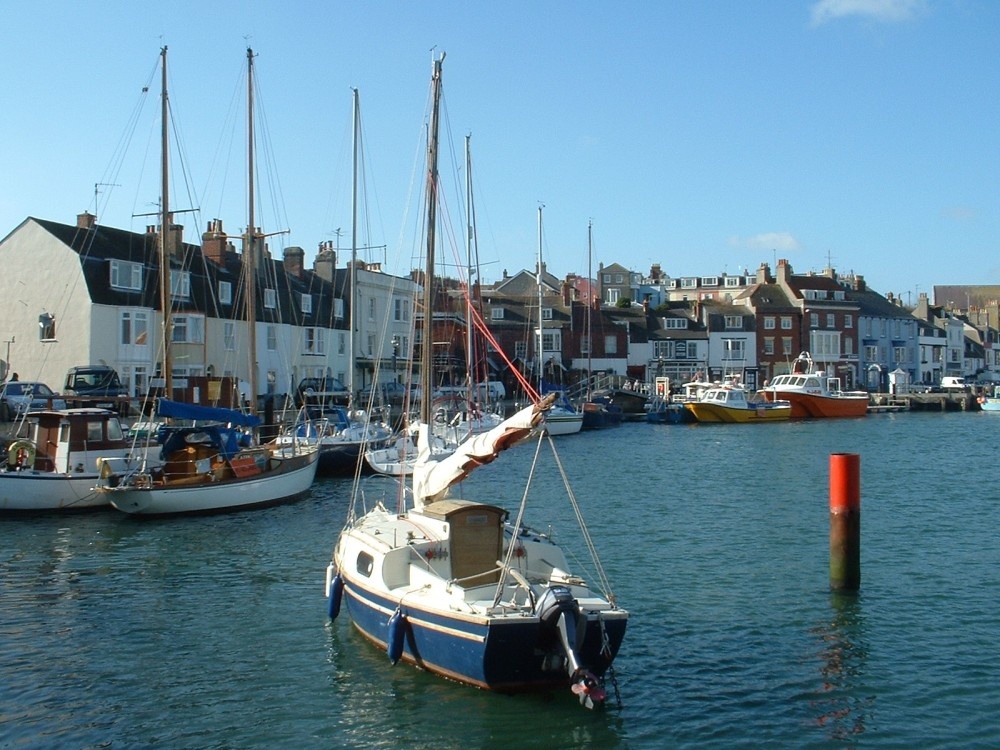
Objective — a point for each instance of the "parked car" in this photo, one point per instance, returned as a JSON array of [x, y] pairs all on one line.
[[953, 383], [20, 396], [321, 392], [101, 386]]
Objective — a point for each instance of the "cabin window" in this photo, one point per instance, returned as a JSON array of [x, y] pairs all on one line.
[[95, 431], [365, 564]]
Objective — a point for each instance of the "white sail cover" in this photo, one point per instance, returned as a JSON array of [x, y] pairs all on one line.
[[432, 477]]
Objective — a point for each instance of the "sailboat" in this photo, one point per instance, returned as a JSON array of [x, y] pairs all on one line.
[[451, 585], [346, 432], [562, 418], [598, 412], [214, 463]]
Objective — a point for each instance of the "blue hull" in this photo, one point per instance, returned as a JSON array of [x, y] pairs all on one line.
[[505, 655]]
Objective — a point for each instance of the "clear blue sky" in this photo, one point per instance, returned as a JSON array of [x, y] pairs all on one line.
[[708, 137]]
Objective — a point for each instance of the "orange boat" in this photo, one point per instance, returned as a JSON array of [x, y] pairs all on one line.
[[815, 394]]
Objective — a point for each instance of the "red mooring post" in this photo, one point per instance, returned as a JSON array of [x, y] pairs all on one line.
[[845, 521]]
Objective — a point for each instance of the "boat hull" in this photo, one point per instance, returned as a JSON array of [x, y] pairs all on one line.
[[706, 412], [292, 478], [818, 406], [505, 653], [42, 490]]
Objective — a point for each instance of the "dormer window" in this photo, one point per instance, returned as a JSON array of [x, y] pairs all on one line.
[[496, 313], [126, 275]]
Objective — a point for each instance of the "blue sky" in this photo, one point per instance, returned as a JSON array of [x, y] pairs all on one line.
[[707, 137]]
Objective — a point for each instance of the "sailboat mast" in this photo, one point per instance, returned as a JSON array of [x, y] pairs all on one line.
[[354, 242], [250, 242], [469, 363], [427, 350], [590, 305], [168, 382], [541, 336]]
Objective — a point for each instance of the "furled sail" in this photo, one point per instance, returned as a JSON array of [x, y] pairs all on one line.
[[432, 477]]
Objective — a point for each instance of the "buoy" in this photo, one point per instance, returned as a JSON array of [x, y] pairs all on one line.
[[336, 589], [397, 632], [845, 521]]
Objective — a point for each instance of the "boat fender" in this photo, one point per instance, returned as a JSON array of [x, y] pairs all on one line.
[[397, 633], [21, 454], [336, 589]]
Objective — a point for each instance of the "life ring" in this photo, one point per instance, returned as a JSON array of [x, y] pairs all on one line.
[[21, 454]]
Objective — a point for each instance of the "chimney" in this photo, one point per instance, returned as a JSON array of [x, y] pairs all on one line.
[[86, 220], [214, 243], [764, 274], [655, 273], [567, 292], [859, 284], [294, 257], [784, 270], [326, 261]]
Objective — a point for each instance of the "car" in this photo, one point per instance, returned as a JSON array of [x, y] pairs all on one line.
[[99, 385], [321, 392], [17, 397]]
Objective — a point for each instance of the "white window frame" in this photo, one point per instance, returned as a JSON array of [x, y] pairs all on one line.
[[225, 293], [124, 274]]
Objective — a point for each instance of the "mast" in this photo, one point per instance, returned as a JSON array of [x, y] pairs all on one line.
[[469, 364], [250, 243], [590, 305], [427, 353], [354, 244], [541, 339], [168, 381]]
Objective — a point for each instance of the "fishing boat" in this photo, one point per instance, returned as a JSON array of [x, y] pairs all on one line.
[[990, 400], [213, 461], [452, 585], [814, 393], [733, 404], [55, 465]]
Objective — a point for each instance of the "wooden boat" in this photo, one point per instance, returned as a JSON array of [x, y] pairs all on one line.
[[55, 466], [814, 393], [215, 462], [450, 585], [731, 404]]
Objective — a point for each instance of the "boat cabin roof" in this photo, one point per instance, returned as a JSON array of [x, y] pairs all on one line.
[[445, 510]]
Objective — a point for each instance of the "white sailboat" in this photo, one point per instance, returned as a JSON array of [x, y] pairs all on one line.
[[450, 585], [563, 418], [215, 463]]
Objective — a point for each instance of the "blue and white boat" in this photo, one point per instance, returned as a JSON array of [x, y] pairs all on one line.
[[454, 585]]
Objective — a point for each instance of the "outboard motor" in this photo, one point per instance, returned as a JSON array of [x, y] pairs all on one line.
[[558, 611]]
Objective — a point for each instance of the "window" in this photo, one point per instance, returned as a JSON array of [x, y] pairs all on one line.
[[341, 343], [613, 296], [769, 345], [546, 313], [675, 323], [313, 341], [732, 281], [272, 338], [520, 350], [229, 335], [338, 308], [769, 322], [46, 327], [848, 346], [899, 354], [825, 345], [225, 293], [585, 345], [135, 328], [786, 323], [401, 310], [786, 345], [838, 295], [180, 284], [270, 299], [619, 278], [831, 320], [610, 345], [607, 278], [126, 275], [661, 349], [188, 329], [496, 313], [306, 304], [372, 308], [689, 283], [734, 322], [371, 344], [733, 349], [871, 353], [848, 321], [709, 280], [550, 341], [814, 320]]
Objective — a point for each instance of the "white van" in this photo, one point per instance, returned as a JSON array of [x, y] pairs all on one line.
[[952, 383]]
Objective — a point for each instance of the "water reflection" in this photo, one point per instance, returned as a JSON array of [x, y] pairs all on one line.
[[844, 711]]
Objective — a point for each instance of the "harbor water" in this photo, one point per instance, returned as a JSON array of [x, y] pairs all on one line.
[[211, 632]]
